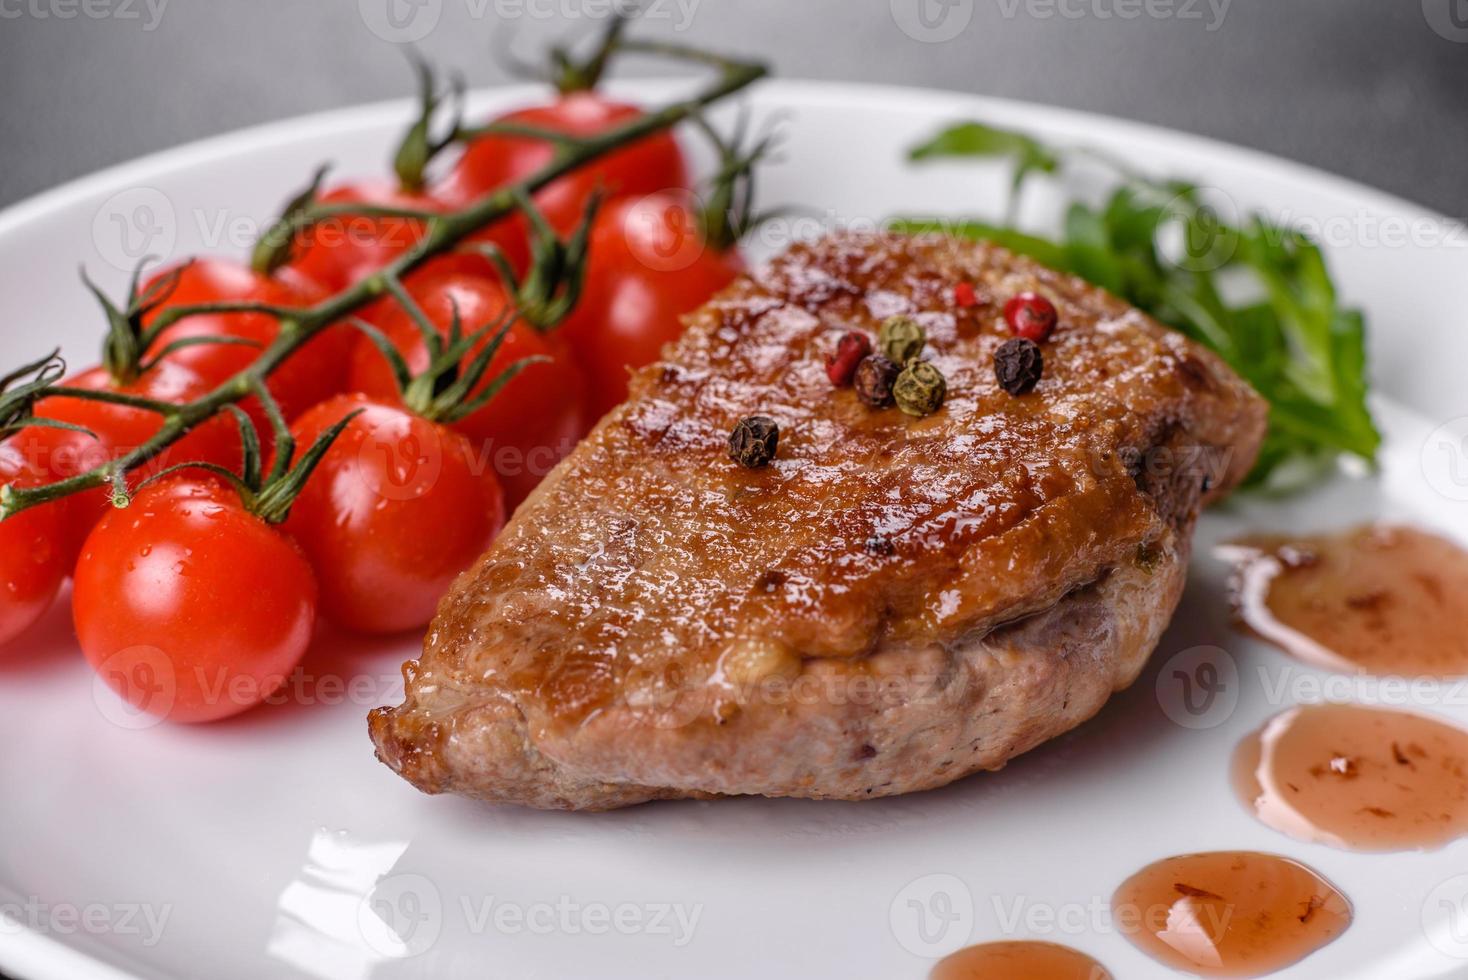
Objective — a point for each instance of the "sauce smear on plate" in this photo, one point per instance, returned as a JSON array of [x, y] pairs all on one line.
[[1381, 599], [1019, 961], [1357, 778], [1229, 913]]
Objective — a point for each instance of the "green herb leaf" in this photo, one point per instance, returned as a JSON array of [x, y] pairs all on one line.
[[1290, 338], [974, 139]]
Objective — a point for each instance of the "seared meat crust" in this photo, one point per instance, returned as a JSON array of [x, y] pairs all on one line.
[[891, 604]]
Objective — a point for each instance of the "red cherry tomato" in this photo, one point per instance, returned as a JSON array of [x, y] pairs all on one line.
[[33, 559], [491, 162], [115, 431], [649, 266], [345, 249], [395, 510], [449, 263], [341, 251], [190, 607], [312, 374], [533, 421]]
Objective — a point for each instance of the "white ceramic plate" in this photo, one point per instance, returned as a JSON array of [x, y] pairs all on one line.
[[275, 845]]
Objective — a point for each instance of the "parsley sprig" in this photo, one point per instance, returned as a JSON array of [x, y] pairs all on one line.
[[1259, 294]]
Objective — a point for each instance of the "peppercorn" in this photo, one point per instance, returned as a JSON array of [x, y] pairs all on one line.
[[875, 376], [901, 339], [1031, 316], [1018, 365], [920, 389], [850, 349], [754, 441]]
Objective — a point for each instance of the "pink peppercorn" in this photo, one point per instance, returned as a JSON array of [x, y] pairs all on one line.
[[1031, 316], [841, 363]]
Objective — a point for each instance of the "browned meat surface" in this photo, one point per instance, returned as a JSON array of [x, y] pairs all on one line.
[[890, 605]]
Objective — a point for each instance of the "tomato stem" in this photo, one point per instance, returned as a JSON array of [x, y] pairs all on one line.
[[17, 403], [273, 249], [419, 146], [551, 288], [273, 502], [443, 391], [569, 75], [728, 214]]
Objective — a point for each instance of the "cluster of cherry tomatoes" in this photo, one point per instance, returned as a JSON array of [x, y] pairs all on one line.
[[216, 581]]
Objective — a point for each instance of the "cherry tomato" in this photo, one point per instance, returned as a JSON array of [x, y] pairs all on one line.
[[115, 431], [32, 554], [491, 162], [190, 607], [467, 263], [649, 266], [531, 423], [395, 510], [341, 251], [312, 374]]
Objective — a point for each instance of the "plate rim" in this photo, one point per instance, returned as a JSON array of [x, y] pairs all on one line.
[[200, 151]]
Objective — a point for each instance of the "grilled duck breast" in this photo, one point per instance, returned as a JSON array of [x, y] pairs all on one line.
[[891, 604]]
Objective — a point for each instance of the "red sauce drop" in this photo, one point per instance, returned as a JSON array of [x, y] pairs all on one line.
[[1019, 961], [1229, 913], [1374, 600], [1357, 778]]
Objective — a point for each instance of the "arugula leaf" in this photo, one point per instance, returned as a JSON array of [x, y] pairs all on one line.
[[1157, 244], [974, 139]]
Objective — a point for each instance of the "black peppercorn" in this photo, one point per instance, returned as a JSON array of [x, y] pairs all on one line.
[[754, 441], [875, 376], [1018, 365]]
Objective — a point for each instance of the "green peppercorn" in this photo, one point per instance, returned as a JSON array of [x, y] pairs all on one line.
[[901, 339], [920, 389], [754, 441]]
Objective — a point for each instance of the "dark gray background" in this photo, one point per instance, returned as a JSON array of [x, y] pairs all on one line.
[[1366, 88]]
